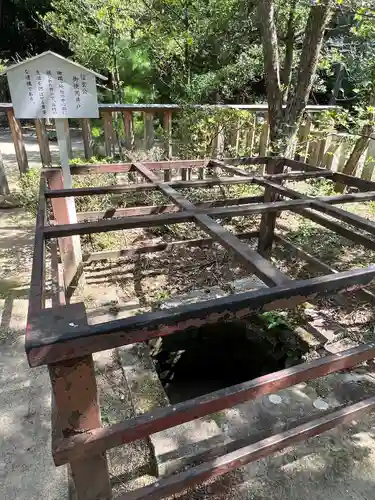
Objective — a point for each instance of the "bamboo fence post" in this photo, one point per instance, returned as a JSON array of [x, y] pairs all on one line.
[[167, 125]]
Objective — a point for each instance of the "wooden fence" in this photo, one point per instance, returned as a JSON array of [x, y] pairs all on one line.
[[324, 148], [157, 130]]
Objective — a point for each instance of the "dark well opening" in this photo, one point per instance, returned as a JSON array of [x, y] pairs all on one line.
[[205, 359]]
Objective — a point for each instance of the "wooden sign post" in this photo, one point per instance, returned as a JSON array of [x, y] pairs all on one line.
[[50, 86]]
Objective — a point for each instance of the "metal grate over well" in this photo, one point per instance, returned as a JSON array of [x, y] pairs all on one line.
[[61, 338]]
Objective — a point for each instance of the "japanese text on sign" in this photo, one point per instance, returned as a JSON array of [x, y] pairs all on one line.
[[41, 91]]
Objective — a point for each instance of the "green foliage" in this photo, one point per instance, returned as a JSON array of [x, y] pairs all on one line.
[[320, 187], [197, 130], [28, 194], [274, 320]]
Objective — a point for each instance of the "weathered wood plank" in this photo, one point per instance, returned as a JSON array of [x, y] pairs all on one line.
[[109, 136], [129, 130], [167, 124], [43, 142], [19, 145], [71, 265], [87, 137], [149, 134]]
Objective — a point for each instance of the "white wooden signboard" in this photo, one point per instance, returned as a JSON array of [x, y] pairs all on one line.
[[50, 86]]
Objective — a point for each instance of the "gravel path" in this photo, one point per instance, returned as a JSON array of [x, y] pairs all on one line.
[[27, 471]]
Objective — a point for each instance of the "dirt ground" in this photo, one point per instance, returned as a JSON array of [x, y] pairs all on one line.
[[339, 465]]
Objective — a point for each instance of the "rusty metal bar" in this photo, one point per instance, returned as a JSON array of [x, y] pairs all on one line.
[[77, 403], [321, 206], [107, 168], [105, 225], [218, 466], [99, 440], [160, 247], [251, 260], [362, 292], [124, 188], [159, 209], [348, 180], [36, 295], [44, 347]]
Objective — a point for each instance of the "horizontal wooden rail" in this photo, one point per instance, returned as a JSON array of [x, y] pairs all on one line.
[[216, 467], [175, 107], [99, 440]]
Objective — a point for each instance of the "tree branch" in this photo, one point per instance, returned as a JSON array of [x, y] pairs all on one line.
[[289, 49], [319, 17]]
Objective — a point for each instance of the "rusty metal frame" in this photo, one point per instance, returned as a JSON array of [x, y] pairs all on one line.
[[51, 340]]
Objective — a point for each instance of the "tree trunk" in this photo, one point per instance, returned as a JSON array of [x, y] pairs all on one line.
[[336, 88], [284, 124], [268, 33], [289, 50], [319, 17]]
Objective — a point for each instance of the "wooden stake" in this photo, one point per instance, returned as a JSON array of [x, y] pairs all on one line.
[[263, 140], [63, 142], [43, 142], [129, 132], [4, 187], [108, 132], [19, 145], [167, 122], [87, 137], [149, 135]]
